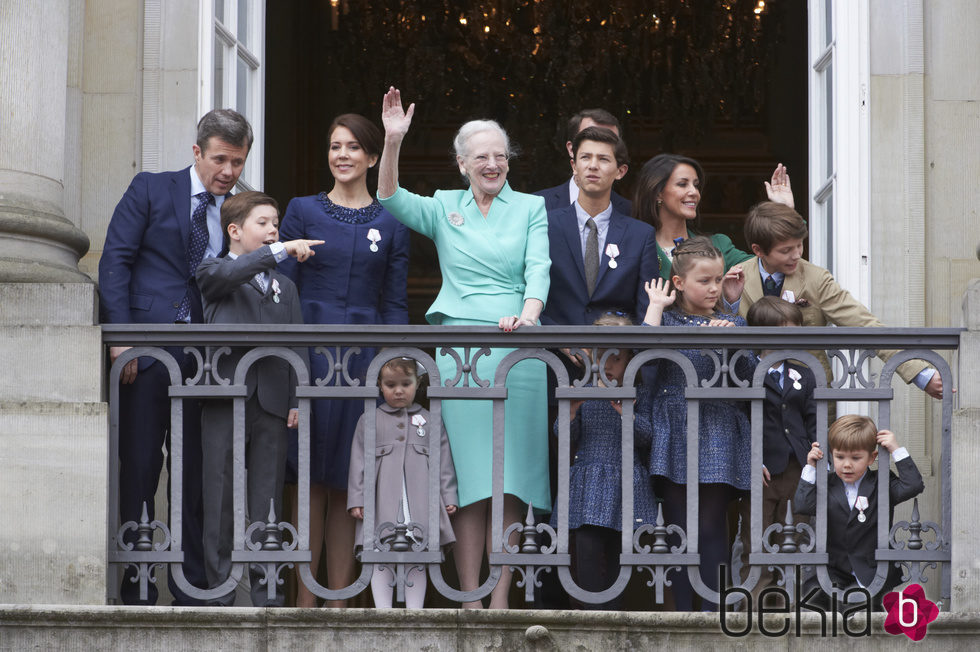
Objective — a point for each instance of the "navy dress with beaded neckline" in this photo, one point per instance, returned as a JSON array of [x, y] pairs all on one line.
[[346, 282]]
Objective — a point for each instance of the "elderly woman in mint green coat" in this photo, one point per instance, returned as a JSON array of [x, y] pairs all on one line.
[[493, 254]]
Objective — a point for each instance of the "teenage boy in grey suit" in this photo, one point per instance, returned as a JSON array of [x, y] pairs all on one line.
[[243, 287]]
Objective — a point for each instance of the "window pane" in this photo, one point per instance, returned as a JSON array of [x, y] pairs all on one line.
[[242, 83], [828, 26], [829, 114], [829, 230], [244, 9], [218, 78], [219, 10]]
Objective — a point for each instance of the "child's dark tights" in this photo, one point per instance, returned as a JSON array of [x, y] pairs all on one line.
[[713, 544], [596, 562]]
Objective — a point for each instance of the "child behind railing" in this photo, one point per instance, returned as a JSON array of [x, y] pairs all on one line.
[[698, 282], [594, 478], [402, 443]]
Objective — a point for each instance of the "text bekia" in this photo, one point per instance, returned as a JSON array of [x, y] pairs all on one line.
[[795, 605]]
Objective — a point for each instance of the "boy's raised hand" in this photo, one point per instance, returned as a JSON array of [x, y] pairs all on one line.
[[888, 439], [814, 455], [779, 189], [301, 249], [733, 283]]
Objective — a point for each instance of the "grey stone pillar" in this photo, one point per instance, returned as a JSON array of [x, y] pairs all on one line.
[[965, 574], [37, 243], [52, 419]]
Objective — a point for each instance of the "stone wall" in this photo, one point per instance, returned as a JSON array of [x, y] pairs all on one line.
[[437, 630]]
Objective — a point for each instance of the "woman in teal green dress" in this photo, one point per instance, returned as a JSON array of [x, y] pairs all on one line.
[[494, 258]]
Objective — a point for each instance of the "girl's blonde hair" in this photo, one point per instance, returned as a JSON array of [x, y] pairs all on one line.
[[612, 318], [686, 255]]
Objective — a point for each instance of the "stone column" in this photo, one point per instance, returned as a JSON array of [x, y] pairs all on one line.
[[52, 419], [965, 574], [37, 243]]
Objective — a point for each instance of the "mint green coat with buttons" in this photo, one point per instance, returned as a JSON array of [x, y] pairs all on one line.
[[489, 266]]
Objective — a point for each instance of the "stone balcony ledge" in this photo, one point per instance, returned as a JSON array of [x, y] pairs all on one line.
[[436, 630]]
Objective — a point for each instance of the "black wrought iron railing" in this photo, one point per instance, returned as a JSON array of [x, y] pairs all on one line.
[[273, 544]]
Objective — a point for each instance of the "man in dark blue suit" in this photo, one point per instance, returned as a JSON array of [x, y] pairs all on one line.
[[600, 258], [566, 193], [162, 228]]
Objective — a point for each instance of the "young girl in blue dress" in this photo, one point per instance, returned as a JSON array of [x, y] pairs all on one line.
[[594, 478], [697, 286]]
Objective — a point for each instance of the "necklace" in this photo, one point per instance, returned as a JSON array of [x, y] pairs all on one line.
[[349, 215]]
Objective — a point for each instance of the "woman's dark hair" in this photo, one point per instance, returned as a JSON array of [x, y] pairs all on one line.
[[653, 178], [366, 133]]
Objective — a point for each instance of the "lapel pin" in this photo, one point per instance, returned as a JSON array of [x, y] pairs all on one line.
[[795, 377], [612, 251], [861, 504], [375, 237], [455, 219], [276, 290], [418, 420]]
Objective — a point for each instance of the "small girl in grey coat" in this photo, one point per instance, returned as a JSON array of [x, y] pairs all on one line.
[[404, 435]]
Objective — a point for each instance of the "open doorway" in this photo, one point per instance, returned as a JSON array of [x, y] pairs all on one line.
[[725, 83]]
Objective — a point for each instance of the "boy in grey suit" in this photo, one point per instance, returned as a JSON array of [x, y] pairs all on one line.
[[243, 287]]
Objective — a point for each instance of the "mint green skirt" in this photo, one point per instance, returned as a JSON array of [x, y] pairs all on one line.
[[469, 426]]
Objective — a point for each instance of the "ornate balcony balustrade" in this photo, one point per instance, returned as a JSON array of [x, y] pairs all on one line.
[[273, 544]]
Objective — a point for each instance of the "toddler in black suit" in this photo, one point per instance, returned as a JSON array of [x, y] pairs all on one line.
[[852, 500]]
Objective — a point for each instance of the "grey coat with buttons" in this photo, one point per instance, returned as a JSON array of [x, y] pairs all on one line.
[[400, 451]]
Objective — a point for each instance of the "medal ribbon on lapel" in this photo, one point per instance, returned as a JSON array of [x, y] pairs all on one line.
[[612, 251], [375, 237], [418, 420], [276, 290], [861, 504]]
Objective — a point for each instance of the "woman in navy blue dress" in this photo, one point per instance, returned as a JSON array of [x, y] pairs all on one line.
[[359, 278]]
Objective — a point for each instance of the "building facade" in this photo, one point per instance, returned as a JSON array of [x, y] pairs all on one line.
[[93, 91]]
